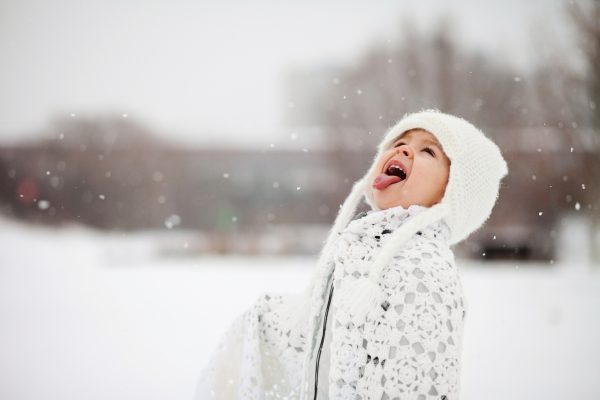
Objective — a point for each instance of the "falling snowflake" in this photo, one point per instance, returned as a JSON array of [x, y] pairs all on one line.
[[157, 176], [577, 206], [101, 197], [172, 221], [54, 181], [43, 204]]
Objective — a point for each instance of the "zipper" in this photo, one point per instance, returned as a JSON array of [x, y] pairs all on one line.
[[322, 340]]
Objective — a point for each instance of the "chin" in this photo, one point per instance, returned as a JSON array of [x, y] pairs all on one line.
[[384, 204]]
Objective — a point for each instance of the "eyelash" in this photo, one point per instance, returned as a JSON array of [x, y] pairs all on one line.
[[426, 149]]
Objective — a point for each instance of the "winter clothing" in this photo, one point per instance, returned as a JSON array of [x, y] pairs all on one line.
[[386, 289], [409, 345]]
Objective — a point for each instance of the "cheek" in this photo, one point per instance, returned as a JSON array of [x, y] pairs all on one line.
[[386, 156], [442, 179], [431, 177], [382, 160]]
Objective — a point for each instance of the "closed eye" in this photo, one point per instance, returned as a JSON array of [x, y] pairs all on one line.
[[399, 144], [429, 150]]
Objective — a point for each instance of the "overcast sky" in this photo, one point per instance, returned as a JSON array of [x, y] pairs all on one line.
[[201, 71]]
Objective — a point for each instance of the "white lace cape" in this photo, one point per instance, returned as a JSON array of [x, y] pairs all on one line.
[[407, 348]]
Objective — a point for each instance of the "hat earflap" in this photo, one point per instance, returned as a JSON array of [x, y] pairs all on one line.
[[324, 266]]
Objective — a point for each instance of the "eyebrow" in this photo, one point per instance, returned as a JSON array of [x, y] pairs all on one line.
[[432, 142]]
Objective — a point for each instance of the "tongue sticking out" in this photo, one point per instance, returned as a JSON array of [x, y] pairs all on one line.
[[385, 180]]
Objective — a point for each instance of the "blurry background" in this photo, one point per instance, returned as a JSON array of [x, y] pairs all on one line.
[[163, 163]]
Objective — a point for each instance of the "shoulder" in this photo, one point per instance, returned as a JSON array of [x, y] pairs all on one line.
[[425, 267]]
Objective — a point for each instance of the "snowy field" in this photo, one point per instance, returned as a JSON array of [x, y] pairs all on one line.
[[85, 315]]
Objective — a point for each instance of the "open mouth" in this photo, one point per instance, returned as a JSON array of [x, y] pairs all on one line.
[[395, 169], [394, 172]]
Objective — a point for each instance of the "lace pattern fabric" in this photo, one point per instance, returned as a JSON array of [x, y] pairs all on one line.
[[406, 348], [260, 355], [409, 347]]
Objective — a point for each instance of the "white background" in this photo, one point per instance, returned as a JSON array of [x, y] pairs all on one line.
[[91, 316]]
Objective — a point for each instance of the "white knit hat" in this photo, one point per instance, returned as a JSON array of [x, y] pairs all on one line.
[[476, 169]]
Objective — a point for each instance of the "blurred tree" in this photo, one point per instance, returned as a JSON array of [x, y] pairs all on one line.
[[96, 170], [112, 174], [357, 103], [585, 16], [418, 71], [102, 133], [586, 19]]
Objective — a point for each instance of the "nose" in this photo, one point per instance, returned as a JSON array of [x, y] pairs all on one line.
[[406, 150]]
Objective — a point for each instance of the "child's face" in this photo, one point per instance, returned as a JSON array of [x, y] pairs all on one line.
[[423, 179]]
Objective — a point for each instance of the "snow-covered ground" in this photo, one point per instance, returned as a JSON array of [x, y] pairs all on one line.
[[86, 315]]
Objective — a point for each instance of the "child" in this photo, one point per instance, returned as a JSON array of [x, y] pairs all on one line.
[[383, 315]]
